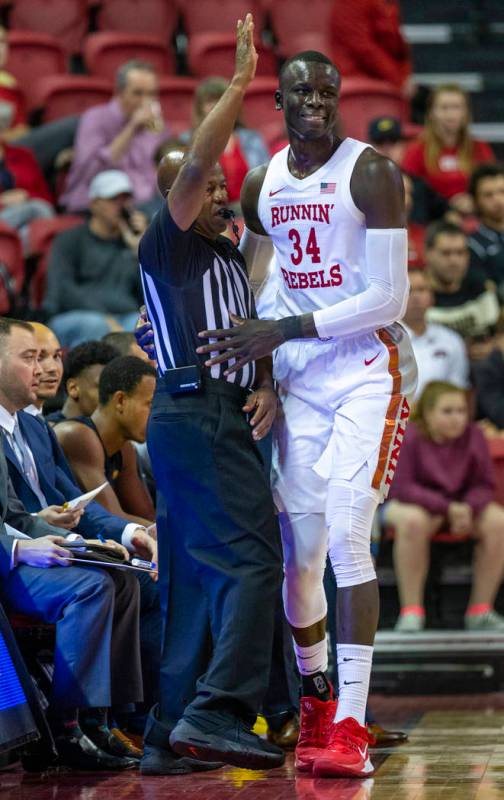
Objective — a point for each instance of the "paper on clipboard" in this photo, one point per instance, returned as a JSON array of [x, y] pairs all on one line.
[[83, 499]]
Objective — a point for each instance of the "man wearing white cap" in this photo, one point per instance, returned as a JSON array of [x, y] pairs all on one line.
[[93, 284]]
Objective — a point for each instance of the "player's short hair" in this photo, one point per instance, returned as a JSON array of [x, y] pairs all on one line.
[[87, 355], [440, 228], [482, 172], [307, 57], [122, 374], [120, 341]]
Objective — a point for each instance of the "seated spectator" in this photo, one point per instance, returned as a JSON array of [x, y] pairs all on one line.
[[126, 344], [11, 94], [246, 147], [82, 368], [440, 353], [444, 481], [462, 301], [486, 244], [488, 377], [97, 658], [93, 281], [445, 154], [122, 134], [24, 195], [99, 448], [367, 41]]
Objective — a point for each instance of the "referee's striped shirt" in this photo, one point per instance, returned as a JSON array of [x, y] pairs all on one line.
[[190, 284]]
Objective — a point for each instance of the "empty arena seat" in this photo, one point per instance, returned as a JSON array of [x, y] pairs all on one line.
[[176, 96], [32, 54], [106, 51], [12, 269], [218, 16], [259, 110], [292, 19], [362, 100], [66, 20], [61, 95], [40, 237], [155, 17], [215, 54]]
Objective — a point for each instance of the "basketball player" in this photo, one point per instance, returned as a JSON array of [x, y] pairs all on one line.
[[334, 211]]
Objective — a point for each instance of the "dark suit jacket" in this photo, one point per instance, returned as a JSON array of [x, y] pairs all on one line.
[[13, 512], [56, 479]]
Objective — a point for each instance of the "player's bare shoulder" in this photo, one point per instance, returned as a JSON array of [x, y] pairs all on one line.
[[377, 190], [249, 198]]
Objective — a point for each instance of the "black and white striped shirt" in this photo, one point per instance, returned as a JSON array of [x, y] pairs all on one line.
[[190, 284]]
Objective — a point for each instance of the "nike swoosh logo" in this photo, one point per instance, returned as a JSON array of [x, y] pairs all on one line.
[[368, 361], [272, 194]]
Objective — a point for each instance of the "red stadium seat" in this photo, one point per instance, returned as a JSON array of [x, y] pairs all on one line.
[[259, 110], [218, 16], [292, 19], [156, 17], [66, 20], [215, 53], [176, 96], [362, 100], [40, 237], [12, 269], [105, 52], [62, 95], [32, 54]]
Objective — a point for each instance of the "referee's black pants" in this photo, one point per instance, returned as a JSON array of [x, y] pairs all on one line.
[[219, 556]]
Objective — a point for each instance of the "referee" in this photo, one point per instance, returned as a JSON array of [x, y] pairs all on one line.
[[219, 549]]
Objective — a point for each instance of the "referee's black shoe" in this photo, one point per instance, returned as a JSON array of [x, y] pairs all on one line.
[[214, 738]]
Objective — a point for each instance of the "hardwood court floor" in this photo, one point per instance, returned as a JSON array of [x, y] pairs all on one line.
[[455, 752]]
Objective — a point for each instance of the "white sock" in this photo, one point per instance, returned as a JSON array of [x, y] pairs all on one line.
[[311, 659], [354, 672]]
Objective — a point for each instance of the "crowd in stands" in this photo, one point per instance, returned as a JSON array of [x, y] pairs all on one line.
[[76, 389]]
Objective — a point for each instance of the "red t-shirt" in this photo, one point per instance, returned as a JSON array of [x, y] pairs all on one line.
[[367, 40], [448, 179], [235, 168], [26, 172]]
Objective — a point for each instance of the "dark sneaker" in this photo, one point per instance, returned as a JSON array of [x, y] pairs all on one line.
[[161, 761], [224, 740]]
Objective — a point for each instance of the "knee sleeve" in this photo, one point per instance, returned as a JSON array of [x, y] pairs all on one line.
[[304, 541], [351, 506]]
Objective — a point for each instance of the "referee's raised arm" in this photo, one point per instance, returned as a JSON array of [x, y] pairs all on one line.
[[188, 191]]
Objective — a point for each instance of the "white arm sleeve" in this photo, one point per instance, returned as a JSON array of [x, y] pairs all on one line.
[[384, 300], [257, 251]]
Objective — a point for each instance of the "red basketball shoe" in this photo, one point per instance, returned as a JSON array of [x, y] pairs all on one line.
[[315, 723], [346, 754]]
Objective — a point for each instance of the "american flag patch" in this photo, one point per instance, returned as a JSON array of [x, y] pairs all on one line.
[[327, 188]]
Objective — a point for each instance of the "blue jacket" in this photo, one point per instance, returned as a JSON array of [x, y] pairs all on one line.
[[56, 480]]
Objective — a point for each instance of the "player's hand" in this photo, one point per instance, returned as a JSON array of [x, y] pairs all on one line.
[[460, 518], [146, 547], [246, 54], [48, 551], [264, 403], [249, 340], [61, 518], [145, 335]]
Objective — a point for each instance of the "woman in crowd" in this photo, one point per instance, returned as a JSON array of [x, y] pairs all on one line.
[[444, 482], [445, 154]]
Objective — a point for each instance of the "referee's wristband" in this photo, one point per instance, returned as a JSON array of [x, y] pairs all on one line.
[[291, 328]]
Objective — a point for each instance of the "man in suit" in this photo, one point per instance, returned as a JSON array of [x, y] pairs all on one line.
[[96, 660]]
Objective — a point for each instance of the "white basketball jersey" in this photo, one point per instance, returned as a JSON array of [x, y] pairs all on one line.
[[317, 231]]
